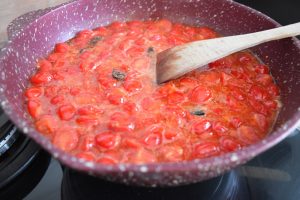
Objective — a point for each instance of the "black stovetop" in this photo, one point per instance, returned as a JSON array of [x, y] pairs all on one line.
[[274, 175]]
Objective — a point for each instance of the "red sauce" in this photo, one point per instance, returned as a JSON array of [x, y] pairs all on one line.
[[94, 97]]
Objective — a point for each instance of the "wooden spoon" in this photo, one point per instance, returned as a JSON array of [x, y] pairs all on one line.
[[175, 62]]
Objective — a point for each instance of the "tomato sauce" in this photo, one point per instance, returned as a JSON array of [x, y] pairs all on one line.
[[94, 97]]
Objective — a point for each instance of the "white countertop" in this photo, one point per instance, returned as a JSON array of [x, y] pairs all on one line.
[[10, 9]]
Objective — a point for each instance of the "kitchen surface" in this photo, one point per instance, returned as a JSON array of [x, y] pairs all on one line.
[[274, 175], [10, 9]]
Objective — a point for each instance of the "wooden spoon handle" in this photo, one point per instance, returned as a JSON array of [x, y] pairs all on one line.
[[179, 60]]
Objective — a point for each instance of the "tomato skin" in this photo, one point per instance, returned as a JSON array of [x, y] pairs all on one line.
[[200, 126], [41, 77], [102, 31], [271, 104], [172, 153], [87, 142], [33, 92], [220, 128], [142, 156], [261, 121], [206, 32], [187, 83], [153, 139], [264, 79], [61, 48], [170, 135], [44, 65], [46, 124], [119, 122], [262, 69], [66, 139], [87, 120], [273, 90], [132, 85], [34, 108], [66, 112], [175, 98], [90, 110], [258, 93], [247, 134], [135, 51], [131, 143], [130, 107], [229, 143], [200, 94], [258, 106], [107, 140], [116, 97], [107, 82], [75, 91], [207, 149], [87, 156], [235, 122], [107, 160], [57, 99], [51, 91]]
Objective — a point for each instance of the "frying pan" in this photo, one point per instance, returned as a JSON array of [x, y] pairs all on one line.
[[33, 35]]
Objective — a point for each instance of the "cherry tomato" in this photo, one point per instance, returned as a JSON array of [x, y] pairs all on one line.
[[66, 139], [206, 149], [107, 140], [200, 126], [47, 124], [34, 108], [66, 112], [229, 143], [33, 92], [200, 94], [41, 77]]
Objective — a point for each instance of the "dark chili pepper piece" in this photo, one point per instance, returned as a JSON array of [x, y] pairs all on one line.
[[82, 50], [198, 112], [119, 75], [94, 41], [150, 50]]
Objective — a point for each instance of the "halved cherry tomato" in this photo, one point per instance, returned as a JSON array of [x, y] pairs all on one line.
[[116, 96], [172, 153], [41, 77], [176, 98], [33, 92], [229, 143], [132, 85], [66, 112], [200, 94], [61, 48], [120, 122], [248, 134], [47, 124], [107, 140], [34, 108], [66, 139], [200, 126], [206, 149]]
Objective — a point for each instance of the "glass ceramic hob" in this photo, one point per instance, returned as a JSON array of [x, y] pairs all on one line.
[[27, 172]]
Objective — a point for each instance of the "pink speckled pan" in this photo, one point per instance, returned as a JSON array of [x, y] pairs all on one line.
[[33, 35]]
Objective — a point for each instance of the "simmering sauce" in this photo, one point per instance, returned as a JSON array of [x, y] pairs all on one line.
[[94, 97]]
